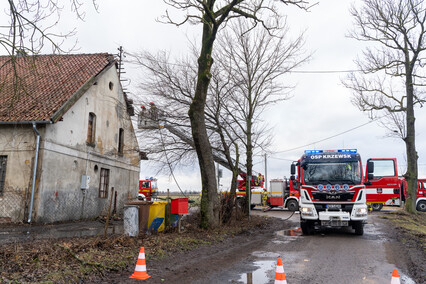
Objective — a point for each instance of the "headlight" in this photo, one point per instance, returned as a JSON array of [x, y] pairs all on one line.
[[361, 212], [306, 211]]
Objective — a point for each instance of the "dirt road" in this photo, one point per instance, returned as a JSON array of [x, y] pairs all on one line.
[[331, 256]]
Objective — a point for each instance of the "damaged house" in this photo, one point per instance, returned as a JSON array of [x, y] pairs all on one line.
[[67, 144]]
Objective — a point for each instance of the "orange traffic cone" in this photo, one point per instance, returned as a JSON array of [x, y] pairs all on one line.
[[140, 270], [395, 277], [279, 274]]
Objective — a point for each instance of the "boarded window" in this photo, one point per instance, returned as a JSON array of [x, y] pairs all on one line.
[[120, 141], [91, 129], [104, 183], [3, 162]]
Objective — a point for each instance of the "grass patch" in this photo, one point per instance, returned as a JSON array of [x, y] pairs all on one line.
[[411, 225]]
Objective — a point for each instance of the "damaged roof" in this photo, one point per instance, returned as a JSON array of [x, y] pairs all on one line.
[[35, 88]]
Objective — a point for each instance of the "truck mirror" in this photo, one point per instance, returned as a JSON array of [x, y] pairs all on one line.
[[370, 167], [370, 176], [293, 169]]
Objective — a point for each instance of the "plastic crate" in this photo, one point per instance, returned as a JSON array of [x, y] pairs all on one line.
[[179, 206]]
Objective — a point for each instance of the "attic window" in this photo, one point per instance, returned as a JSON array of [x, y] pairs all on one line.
[[111, 85], [91, 129]]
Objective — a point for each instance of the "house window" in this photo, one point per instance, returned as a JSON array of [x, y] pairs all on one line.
[[3, 160], [120, 141], [104, 183], [91, 129]]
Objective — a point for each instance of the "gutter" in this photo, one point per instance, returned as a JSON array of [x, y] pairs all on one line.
[[25, 122], [35, 169]]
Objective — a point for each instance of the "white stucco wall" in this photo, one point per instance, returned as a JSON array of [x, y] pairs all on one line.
[[65, 157], [17, 142]]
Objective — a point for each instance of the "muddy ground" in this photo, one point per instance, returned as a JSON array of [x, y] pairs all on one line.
[[177, 258]]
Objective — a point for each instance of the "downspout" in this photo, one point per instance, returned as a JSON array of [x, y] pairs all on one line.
[[34, 172]]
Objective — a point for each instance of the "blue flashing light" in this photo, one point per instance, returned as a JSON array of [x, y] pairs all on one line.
[[347, 151], [310, 152]]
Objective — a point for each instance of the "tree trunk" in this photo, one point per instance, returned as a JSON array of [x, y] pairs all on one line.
[[410, 144], [230, 202], [249, 162], [209, 200]]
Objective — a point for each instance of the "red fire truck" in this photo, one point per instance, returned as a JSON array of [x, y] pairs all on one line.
[[148, 189], [332, 193], [421, 195], [256, 186], [283, 193], [387, 188]]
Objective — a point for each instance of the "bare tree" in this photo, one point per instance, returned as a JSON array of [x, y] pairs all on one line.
[[212, 15], [28, 28], [171, 86], [256, 60], [392, 79]]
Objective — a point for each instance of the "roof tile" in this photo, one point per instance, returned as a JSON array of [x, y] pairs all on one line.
[[34, 88]]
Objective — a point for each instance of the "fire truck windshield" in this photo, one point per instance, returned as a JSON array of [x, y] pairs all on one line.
[[332, 172]]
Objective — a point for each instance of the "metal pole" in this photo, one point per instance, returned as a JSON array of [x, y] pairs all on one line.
[[34, 172], [266, 173]]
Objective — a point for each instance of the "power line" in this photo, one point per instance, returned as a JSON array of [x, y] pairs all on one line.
[[330, 137], [324, 71]]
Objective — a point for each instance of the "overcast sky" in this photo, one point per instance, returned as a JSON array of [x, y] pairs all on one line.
[[319, 111]]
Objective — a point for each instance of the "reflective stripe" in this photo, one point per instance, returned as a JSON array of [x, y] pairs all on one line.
[[140, 268], [280, 281], [280, 269], [141, 255]]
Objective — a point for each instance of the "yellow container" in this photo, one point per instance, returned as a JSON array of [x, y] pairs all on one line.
[[156, 216]]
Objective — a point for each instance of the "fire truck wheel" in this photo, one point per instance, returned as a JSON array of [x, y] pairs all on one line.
[[421, 205], [359, 228], [307, 227], [292, 205], [377, 206]]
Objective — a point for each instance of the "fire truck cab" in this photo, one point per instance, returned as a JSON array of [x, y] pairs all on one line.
[[148, 189], [385, 187], [332, 193]]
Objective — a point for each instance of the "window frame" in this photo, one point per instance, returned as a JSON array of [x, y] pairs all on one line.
[[104, 183], [120, 142], [91, 129]]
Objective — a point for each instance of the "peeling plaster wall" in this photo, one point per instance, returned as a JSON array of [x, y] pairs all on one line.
[[67, 156], [18, 144]]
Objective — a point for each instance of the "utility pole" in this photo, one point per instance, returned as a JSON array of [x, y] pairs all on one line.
[[266, 173]]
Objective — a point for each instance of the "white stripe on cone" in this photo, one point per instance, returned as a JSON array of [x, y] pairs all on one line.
[[140, 268]]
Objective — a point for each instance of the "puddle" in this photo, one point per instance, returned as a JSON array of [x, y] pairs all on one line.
[[295, 232], [263, 254], [260, 275], [407, 280]]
